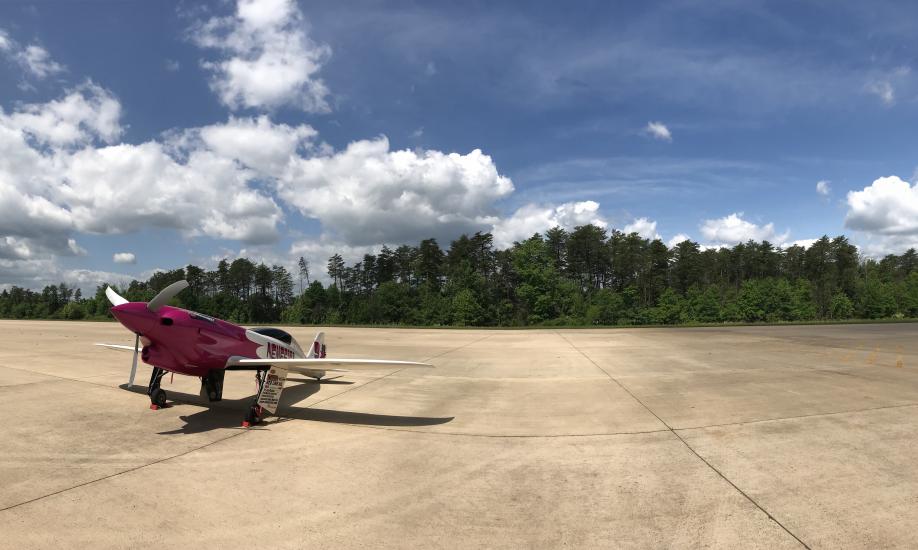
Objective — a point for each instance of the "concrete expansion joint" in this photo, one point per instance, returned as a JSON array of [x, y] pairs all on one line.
[[21, 384], [686, 444], [797, 417], [122, 472], [508, 436]]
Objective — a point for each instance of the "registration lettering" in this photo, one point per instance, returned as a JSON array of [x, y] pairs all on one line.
[[279, 352]]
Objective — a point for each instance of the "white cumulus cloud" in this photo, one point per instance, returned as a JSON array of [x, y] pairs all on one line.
[[123, 188], [678, 238], [268, 60], [533, 218], [803, 243], [888, 206], [257, 143], [733, 229], [823, 188], [86, 113], [368, 193], [124, 258], [58, 176], [644, 227], [13, 248], [658, 130]]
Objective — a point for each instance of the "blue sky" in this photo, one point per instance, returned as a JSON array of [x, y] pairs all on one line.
[[310, 128]]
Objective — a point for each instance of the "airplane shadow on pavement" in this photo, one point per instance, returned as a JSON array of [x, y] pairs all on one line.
[[228, 412]]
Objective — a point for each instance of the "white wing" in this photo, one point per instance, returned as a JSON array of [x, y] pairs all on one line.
[[306, 366]]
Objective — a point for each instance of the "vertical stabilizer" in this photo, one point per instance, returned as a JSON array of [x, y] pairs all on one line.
[[317, 351]]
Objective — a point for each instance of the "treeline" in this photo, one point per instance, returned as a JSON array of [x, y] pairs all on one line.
[[587, 276]]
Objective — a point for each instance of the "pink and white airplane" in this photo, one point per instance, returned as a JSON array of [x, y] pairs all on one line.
[[184, 342]]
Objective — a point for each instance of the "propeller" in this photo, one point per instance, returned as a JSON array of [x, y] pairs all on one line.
[[114, 297], [134, 364], [153, 305], [166, 294]]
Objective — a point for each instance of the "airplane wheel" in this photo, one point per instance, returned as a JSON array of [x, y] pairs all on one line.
[[159, 397]]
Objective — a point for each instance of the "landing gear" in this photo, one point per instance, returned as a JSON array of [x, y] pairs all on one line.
[[212, 385], [157, 394], [158, 398], [256, 411], [253, 416]]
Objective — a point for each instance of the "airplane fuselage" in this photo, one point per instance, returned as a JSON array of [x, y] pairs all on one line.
[[186, 342]]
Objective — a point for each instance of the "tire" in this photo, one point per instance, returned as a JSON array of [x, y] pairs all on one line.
[[158, 397]]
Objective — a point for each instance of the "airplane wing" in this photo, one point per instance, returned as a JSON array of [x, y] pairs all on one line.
[[306, 366], [116, 346]]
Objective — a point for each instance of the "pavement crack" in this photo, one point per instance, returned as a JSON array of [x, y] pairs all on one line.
[[122, 472], [685, 443], [508, 436], [796, 417]]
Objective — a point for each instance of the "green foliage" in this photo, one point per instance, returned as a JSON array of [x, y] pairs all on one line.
[[466, 309], [389, 304], [842, 307], [668, 310], [587, 276], [876, 298]]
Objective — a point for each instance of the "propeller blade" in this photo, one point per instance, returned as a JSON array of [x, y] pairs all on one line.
[[113, 297], [165, 294], [134, 365]]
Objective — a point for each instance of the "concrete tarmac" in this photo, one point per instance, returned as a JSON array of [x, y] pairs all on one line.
[[738, 437]]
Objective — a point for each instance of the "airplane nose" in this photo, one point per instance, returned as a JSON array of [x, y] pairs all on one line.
[[135, 316]]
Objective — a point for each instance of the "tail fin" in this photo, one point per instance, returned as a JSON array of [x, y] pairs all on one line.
[[318, 347]]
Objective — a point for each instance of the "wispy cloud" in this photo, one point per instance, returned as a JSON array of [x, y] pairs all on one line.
[[33, 58], [884, 90], [658, 130], [592, 177]]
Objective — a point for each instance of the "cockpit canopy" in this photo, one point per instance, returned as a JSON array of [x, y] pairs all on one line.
[[275, 333]]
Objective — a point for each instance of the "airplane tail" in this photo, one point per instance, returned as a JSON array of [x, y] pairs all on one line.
[[317, 351]]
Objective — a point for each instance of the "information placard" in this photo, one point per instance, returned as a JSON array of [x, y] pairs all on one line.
[[272, 388]]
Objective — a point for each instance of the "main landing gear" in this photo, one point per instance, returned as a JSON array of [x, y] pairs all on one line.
[[212, 385], [157, 394], [256, 411]]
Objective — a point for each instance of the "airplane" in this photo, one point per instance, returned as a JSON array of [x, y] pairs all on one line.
[[185, 342]]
